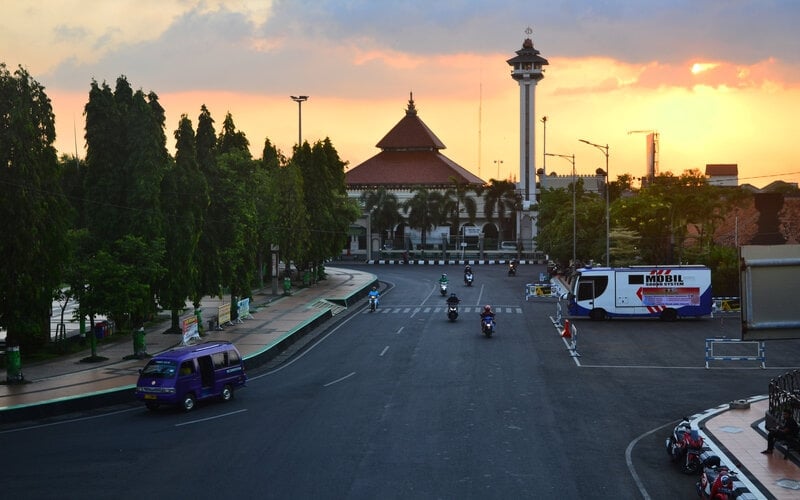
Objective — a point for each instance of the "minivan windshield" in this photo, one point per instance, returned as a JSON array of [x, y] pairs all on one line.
[[160, 368]]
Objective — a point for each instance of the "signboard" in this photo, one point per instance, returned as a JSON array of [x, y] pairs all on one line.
[[471, 231], [189, 329], [224, 314], [770, 286], [670, 297]]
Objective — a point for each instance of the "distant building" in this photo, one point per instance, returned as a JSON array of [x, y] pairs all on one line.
[[410, 158], [722, 174]]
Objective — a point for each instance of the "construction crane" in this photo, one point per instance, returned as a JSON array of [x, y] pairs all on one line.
[[652, 152]]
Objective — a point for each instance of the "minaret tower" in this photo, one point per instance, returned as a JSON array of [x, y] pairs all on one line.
[[527, 71]]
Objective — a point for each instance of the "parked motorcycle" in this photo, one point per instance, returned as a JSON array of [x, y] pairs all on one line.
[[487, 326], [468, 279], [373, 304], [512, 268], [686, 447], [718, 483], [452, 312], [443, 288]]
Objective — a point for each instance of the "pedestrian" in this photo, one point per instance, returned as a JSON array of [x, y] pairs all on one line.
[[786, 429]]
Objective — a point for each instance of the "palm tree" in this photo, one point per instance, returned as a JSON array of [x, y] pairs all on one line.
[[425, 210], [457, 197], [384, 209], [501, 197]]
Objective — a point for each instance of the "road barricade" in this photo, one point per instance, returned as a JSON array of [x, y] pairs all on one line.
[[737, 345]]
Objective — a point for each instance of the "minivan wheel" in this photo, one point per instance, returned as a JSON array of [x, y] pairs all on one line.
[[188, 402], [227, 393]]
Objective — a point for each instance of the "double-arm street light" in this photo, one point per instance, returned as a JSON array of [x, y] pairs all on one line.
[[498, 163], [604, 150], [571, 158], [299, 99]]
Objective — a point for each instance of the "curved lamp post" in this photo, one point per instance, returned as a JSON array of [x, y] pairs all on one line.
[[604, 150], [571, 158], [299, 99]]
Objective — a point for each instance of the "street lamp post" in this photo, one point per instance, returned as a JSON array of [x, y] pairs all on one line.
[[299, 99], [604, 150], [498, 163], [571, 158]]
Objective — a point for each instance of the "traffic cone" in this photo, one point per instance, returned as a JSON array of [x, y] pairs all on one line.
[[567, 333]]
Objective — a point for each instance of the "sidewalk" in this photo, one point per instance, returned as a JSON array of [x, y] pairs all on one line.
[[67, 384], [737, 436]]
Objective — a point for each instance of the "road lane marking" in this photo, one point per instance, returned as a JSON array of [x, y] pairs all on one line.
[[339, 379]]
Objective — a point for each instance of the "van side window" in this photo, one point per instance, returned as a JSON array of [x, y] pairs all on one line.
[[187, 368], [233, 358], [219, 360]]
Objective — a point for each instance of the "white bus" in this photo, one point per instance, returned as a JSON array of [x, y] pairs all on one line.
[[666, 292]]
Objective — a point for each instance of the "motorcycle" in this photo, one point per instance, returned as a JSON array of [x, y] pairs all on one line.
[[717, 483], [512, 269], [468, 279], [443, 288], [487, 325], [452, 312], [686, 446], [373, 304]]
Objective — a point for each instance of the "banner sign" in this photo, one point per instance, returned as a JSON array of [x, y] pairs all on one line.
[[224, 314], [190, 330]]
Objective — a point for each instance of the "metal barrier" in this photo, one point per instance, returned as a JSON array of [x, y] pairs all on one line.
[[760, 356], [533, 290], [727, 304]]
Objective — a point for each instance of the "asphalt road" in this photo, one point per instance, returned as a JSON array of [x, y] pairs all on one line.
[[402, 403]]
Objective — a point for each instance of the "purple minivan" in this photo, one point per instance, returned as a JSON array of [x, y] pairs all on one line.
[[185, 375]]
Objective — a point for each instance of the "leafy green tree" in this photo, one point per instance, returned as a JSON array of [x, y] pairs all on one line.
[[293, 231], [209, 245], [35, 214], [126, 155], [184, 198], [235, 201]]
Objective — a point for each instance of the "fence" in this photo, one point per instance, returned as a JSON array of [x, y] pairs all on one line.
[[784, 393], [736, 343]]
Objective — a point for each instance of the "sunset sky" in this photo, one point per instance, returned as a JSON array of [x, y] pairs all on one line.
[[719, 80]]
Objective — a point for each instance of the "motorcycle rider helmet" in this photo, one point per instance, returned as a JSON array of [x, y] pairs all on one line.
[[374, 288], [487, 308], [444, 275]]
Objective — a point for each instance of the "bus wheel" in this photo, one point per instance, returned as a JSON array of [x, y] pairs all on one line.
[[597, 314], [669, 315]]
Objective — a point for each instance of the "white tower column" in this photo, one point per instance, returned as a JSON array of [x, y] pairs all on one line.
[[527, 71]]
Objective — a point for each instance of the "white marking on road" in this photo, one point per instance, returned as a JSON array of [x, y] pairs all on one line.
[[384, 350], [339, 379], [72, 420], [209, 418], [400, 330]]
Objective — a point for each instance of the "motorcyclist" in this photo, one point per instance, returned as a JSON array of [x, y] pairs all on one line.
[[453, 300], [443, 279], [374, 293], [487, 311], [467, 270]]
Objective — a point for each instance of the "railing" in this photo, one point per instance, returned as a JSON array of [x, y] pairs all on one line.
[[784, 393]]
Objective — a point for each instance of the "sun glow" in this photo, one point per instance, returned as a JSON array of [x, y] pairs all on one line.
[[698, 68]]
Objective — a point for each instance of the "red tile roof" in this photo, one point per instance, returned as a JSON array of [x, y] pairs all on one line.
[[722, 169], [410, 157]]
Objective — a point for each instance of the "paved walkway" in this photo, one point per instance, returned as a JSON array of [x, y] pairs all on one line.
[[67, 384]]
